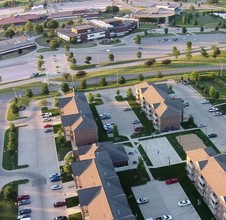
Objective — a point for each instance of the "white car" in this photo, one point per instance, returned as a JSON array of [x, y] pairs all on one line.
[[142, 200], [136, 121], [202, 125], [205, 101], [56, 187], [167, 217], [184, 203], [46, 120], [47, 115], [213, 109], [217, 113]]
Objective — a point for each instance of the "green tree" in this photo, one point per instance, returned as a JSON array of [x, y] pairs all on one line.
[[8, 193], [53, 44], [67, 47], [83, 84], [204, 53], [29, 93], [115, 131], [216, 52], [176, 52], [45, 89], [69, 22], [191, 119], [103, 81], [201, 29], [216, 95], [15, 100], [91, 97], [129, 94], [4, 27], [88, 59], [117, 92], [140, 167], [184, 19], [111, 57], [70, 55], [122, 80], [112, 9], [139, 54], [67, 168], [52, 24], [40, 63], [189, 44], [140, 77], [14, 108], [149, 62], [64, 87], [159, 74], [194, 76], [137, 39], [73, 60], [211, 91], [12, 136], [9, 33], [166, 61], [29, 27], [55, 101], [188, 53], [38, 28], [195, 22], [184, 30], [12, 127], [166, 30], [79, 19], [80, 74]]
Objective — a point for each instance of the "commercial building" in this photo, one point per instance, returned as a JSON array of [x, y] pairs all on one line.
[[207, 170], [166, 113], [78, 123], [99, 189]]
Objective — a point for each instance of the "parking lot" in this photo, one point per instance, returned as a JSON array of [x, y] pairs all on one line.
[[123, 119], [37, 149], [215, 124], [163, 199]]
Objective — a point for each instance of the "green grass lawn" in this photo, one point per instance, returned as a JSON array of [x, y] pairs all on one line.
[[65, 177], [62, 150], [129, 179], [72, 201], [179, 171], [8, 209], [144, 155], [76, 216], [10, 158]]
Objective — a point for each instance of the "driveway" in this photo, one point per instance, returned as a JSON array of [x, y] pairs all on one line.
[[215, 124], [123, 119], [163, 199]]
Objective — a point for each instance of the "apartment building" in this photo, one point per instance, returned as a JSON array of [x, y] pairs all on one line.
[[207, 170], [99, 189], [166, 113], [77, 119]]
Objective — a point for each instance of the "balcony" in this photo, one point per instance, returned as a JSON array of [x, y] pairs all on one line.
[[191, 165], [201, 180], [213, 198], [190, 171]]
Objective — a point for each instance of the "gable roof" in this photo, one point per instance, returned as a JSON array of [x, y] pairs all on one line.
[[79, 167], [86, 196]]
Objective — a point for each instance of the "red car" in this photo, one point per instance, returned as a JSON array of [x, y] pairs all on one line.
[[59, 204], [22, 197], [48, 126], [171, 181], [138, 129]]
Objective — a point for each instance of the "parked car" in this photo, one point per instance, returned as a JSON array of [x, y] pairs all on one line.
[[131, 153], [22, 197], [186, 104], [212, 135], [138, 129], [28, 215], [205, 101], [56, 187], [184, 203], [46, 120], [217, 114], [33, 75], [24, 202], [47, 115], [24, 211], [21, 107], [55, 179], [171, 181], [213, 109], [59, 204], [127, 109], [202, 125], [61, 218], [105, 116], [54, 174], [136, 121], [165, 217], [48, 126], [142, 200], [48, 130]]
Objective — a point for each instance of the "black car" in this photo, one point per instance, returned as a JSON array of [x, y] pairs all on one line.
[[212, 135], [61, 218], [24, 211]]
